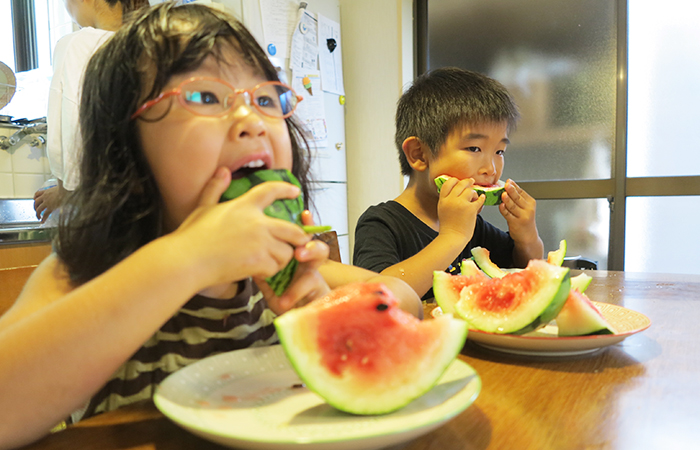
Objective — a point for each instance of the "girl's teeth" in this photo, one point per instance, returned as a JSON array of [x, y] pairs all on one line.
[[254, 164]]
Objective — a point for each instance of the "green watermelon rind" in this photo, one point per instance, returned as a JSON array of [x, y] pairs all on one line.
[[310, 370], [556, 257], [581, 282], [588, 321], [286, 209], [542, 307], [445, 296], [492, 193], [482, 259]]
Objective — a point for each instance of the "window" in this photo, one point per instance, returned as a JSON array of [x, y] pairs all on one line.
[[52, 22], [599, 131]]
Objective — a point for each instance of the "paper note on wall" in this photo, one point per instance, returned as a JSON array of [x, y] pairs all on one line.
[[330, 55], [311, 111], [303, 54], [278, 20]]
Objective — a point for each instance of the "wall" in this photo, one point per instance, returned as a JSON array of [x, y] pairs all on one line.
[[23, 171], [377, 63]]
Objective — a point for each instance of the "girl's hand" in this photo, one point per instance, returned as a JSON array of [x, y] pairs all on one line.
[[307, 284], [234, 240], [458, 207]]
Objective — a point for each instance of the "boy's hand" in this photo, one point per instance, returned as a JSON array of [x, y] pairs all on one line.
[[308, 284], [518, 208], [458, 207]]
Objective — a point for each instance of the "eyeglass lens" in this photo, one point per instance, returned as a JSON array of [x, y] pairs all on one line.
[[211, 98]]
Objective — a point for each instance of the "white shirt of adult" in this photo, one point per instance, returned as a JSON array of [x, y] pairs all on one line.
[[64, 147]]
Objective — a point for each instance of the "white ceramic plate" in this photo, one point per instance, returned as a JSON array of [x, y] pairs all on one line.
[[254, 399], [545, 342]]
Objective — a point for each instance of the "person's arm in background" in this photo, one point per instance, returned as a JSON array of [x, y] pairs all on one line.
[[48, 200]]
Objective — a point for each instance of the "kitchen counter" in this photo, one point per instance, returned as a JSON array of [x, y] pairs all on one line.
[[18, 223]]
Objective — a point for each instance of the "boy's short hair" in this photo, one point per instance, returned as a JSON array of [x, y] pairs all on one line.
[[442, 99]]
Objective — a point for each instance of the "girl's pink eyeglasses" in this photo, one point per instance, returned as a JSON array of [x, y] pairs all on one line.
[[206, 96]]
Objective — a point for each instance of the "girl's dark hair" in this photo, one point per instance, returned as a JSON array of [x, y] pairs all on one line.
[[441, 100], [117, 207], [128, 6]]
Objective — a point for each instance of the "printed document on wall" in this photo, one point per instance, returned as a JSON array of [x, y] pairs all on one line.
[[311, 111], [304, 49], [279, 18], [330, 55]]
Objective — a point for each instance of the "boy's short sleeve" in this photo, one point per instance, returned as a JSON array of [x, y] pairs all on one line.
[[387, 234], [375, 246]]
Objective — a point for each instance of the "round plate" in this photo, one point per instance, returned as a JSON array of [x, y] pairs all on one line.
[[8, 84], [253, 398], [545, 342]]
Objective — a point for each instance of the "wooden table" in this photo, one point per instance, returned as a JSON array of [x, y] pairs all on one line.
[[643, 393]]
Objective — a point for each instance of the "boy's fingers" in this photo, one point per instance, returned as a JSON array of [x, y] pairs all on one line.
[[215, 187]]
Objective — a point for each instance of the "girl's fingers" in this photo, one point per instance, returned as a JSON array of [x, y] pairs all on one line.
[[215, 187], [307, 218], [264, 194]]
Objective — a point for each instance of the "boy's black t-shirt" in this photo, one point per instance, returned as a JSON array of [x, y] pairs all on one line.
[[388, 233]]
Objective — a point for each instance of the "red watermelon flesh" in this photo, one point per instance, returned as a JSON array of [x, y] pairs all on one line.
[[447, 288], [517, 303], [580, 317], [363, 354]]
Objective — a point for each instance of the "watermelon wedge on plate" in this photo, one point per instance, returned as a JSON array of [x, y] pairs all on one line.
[[363, 354]]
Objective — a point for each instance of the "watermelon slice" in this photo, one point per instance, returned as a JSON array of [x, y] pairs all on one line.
[[517, 303], [364, 355], [286, 209], [482, 257], [580, 282], [556, 257], [447, 288], [469, 268], [580, 317], [492, 192]]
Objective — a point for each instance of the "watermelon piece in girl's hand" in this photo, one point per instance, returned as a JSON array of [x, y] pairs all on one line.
[[364, 355], [286, 209]]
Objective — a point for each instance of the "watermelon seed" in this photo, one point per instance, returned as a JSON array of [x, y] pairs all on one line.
[[382, 307]]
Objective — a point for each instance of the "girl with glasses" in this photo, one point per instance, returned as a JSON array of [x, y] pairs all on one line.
[[150, 272]]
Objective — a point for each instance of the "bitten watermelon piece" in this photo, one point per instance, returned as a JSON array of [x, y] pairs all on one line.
[[492, 192], [364, 355], [556, 257], [482, 257], [447, 288], [580, 317], [517, 303], [469, 268], [286, 209]]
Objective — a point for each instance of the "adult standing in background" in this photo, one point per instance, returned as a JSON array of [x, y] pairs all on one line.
[[98, 20]]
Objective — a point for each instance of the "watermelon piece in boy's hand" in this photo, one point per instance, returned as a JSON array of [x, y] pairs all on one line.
[[492, 192], [364, 355], [286, 209]]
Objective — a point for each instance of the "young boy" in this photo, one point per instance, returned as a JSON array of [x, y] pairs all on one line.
[[449, 122]]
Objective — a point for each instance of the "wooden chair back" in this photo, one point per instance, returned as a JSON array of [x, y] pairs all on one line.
[[331, 238]]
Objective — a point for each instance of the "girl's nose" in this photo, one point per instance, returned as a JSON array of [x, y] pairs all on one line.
[[247, 121]]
